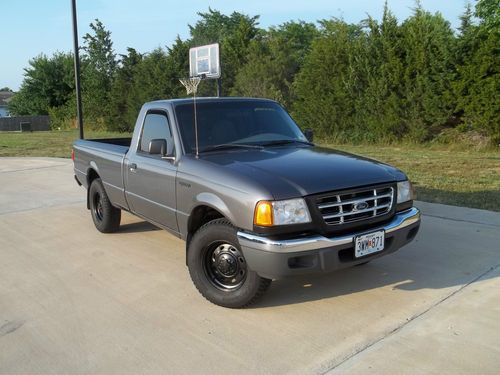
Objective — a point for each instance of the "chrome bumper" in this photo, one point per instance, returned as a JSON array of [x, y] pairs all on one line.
[[400, 221]]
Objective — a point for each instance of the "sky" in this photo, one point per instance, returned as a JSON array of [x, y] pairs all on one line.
[[32, 27]]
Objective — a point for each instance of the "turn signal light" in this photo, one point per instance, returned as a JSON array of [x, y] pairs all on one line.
[[263, 214]]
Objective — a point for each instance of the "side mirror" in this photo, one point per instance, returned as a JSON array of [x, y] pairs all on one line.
[[162, 147], [309, 133], [158, 147]]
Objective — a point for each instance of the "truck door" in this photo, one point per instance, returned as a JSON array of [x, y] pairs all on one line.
[[149, 179]]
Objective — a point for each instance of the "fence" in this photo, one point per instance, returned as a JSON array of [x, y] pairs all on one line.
[[25, 123]]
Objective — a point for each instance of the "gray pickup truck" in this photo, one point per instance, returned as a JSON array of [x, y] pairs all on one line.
[[252, 196]]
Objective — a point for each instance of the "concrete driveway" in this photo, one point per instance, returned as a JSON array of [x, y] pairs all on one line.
[[75, 301]]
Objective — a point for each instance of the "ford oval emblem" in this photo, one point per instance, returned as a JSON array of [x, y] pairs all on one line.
[[359, 206]]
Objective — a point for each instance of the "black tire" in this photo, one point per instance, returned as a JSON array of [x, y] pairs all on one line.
[[218, 268], [106, 217]]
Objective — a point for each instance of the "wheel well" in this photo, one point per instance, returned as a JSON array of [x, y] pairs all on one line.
[[199, 217], [91, 176]]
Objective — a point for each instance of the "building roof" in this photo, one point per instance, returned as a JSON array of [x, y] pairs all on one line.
[[5, 97]]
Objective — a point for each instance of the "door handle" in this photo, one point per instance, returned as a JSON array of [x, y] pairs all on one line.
[[133, 167]]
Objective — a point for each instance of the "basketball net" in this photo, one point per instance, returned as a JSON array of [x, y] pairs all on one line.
[[191, 84]]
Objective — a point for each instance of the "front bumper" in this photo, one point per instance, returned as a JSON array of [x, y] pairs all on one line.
[[315, 254]]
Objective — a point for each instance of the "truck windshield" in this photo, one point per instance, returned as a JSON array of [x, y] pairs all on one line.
[[238, 123]]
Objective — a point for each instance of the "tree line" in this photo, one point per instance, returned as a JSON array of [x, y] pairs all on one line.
[[375, 80]]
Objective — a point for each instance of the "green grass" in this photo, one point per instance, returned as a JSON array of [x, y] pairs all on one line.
[[443, 174], [53, 143]]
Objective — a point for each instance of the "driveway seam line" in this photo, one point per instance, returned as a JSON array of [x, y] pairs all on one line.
[[34, 168], [40, 207], [461, 220], [399, 328]]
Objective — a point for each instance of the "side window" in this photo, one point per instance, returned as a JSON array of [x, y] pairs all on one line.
[[156, 126]]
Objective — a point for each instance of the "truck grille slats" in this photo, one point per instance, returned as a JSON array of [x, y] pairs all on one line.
[[355, 206]]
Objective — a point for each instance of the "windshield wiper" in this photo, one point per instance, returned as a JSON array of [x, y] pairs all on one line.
[[280, 142], [227, 146]]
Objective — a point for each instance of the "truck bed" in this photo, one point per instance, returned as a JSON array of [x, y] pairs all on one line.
[[113, 141], [107, 155], [111, 145]]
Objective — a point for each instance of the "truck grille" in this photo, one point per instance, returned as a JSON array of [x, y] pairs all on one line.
[[356, 206]]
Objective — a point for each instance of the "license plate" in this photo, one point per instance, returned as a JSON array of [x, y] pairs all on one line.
[[369, 243]]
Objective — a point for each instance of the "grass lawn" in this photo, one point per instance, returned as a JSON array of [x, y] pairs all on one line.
[[441, 174], [53, 143]]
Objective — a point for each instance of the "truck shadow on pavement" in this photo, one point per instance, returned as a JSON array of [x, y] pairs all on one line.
[[421, 265], [138, 227], [447, 253], [360, 279]]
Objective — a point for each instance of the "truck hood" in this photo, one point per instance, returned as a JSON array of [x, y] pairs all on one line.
[[288, 172]]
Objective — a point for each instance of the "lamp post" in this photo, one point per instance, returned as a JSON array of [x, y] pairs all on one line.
[[77, 70]]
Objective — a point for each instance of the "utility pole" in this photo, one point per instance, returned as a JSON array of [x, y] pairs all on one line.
[[77, 70]]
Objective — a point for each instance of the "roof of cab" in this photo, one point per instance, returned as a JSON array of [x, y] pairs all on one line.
[[207, 100]]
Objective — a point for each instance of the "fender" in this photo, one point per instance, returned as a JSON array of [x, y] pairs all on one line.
[[215, 202], [93, 165]]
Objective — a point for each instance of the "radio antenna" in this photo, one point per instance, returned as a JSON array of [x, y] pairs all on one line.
[[191, 85]]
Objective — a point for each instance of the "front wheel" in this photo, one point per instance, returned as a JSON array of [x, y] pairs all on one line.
[[106, 217], [218, 268]]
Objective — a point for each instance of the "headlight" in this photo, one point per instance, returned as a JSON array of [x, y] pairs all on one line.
[[405, 191], [291, 211]]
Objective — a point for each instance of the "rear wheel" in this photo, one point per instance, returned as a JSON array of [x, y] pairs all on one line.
[[106, 217], [218, 268]]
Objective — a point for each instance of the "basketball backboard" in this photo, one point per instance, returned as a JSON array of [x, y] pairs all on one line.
[[204, 61]]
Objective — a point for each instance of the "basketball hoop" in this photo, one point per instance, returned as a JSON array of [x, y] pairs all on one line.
[[191, 84], [203, 64]]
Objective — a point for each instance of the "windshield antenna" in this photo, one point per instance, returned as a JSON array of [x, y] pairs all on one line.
[[191, 85]]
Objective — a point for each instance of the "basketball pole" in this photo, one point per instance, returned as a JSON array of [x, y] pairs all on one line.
[[219, 82], [77, 70], [195, 124]]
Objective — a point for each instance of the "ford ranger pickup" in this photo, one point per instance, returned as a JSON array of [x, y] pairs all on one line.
[[252, 196]]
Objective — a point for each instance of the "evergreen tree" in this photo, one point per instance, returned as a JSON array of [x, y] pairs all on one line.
[[328, 84], [379, 108], [274, 58], [178, 65], [428, 59], [478, 82], [117, 117], [372, 81], [150, 82], [97, 72]]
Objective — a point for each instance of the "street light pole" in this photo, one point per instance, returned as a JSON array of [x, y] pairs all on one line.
[[77, 70]]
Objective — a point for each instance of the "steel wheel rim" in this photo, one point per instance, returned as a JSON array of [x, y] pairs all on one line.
[[98, 209], [225, 266]]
